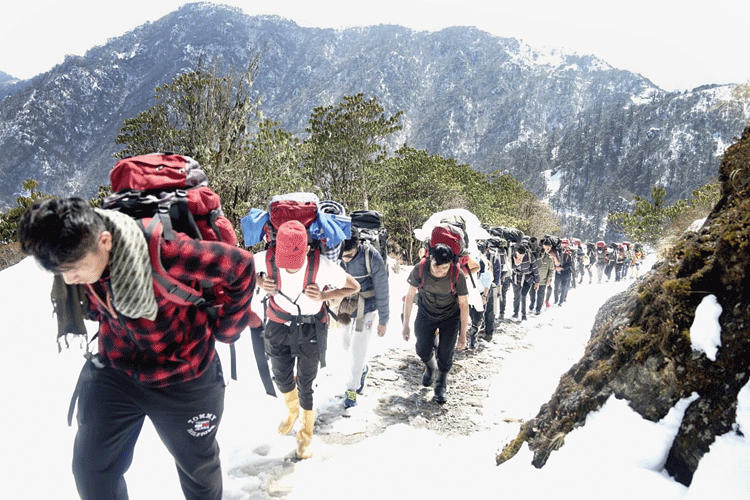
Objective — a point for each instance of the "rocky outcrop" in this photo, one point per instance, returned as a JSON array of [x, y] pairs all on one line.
[[640, 348]]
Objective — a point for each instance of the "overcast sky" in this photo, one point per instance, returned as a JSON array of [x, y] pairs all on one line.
[[678, 45]]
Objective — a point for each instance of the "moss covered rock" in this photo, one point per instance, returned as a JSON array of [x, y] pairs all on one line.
[[640, 348]]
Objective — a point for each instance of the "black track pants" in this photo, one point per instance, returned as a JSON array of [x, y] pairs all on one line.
[[424, 332], [111, 411], [520, 291]]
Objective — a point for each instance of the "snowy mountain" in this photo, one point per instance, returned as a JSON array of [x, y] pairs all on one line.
[[5, 78], [493, 103]]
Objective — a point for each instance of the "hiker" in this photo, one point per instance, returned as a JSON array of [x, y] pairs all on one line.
[[156, 358], [601, 260], [546, 264], [536, 251], [581, 261], [611, 260], [494, 272], [564, 272], [619, 262], [297, 327], [628, 259], [573, 249], [470, 266], [589, 260], [443, 311], [369, 308], [479, 282], [524, 276], [505, 272]]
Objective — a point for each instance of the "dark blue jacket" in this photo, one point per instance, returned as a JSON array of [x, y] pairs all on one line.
[[377, 280]]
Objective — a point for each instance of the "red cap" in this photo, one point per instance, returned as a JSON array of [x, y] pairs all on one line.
[[291, 245]]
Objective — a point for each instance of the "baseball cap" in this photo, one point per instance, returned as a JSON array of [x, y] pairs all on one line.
[[291, 245]]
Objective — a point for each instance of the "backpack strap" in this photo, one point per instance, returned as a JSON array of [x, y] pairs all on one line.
[[261, 359], [368, 249], [313, 264], [275, 312], [421, 272], [176, 291], [466, 272]]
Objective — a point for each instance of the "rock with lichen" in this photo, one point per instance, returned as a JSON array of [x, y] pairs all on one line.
[[640, 348]]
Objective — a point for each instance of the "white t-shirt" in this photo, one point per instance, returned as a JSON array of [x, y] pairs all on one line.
[[329, 274]]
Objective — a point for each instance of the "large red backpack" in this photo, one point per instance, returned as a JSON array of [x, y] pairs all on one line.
[[174, 188], [168, 193], [453, 237], [302, 207]]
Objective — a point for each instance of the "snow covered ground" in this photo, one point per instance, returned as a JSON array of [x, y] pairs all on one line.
[[615, 455]]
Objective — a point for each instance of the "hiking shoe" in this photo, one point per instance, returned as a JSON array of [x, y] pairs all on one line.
[[546, 303], [365, 371], [350, 399], [523, 318]]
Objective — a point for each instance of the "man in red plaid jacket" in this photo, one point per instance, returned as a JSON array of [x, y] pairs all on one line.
[[156, 357]]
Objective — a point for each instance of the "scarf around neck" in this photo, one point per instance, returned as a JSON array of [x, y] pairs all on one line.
[[130, 267]]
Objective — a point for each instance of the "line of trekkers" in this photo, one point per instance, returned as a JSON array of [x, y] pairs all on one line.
[[546, 268], [465, 270], [159, 269]]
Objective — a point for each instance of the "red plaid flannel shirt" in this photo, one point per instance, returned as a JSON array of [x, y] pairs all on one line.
[[179, 344]]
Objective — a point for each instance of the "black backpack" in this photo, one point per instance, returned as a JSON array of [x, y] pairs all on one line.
[[510, 234], [371, 230], [556, 244]]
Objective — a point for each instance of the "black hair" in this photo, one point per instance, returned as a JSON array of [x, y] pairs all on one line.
[[521, 249], [352, 242], [442, 254], [59, 232]]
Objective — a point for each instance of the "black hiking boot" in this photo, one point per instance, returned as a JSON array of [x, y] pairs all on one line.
[[440, 387], [429, 372], [472, 338]]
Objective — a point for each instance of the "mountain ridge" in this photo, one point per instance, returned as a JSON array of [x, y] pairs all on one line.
[[493, 103]]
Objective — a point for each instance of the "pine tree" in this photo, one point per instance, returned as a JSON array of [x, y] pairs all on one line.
[[208, 115], [345, 151]]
